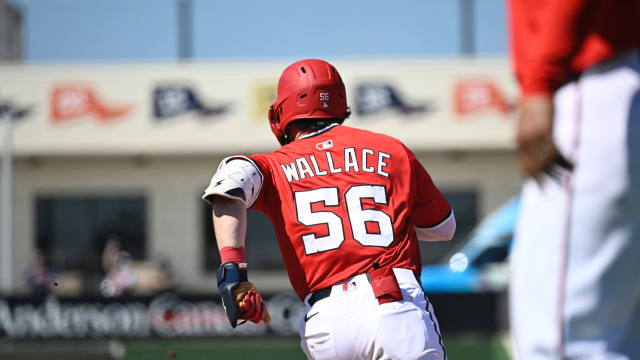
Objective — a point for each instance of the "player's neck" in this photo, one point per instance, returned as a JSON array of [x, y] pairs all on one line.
[[300, 134]]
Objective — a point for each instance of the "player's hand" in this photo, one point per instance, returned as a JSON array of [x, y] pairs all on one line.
[[250, 304], [240, 298], [536, 151]]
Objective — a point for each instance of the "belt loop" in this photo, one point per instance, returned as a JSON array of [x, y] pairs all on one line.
[[319, 295]]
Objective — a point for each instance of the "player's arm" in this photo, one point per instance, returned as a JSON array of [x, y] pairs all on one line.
[[233, 188], [442, 231], [229, 221], [431, 214], [545, 38]]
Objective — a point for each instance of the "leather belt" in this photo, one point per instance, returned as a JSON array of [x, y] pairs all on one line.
[[326, 292]]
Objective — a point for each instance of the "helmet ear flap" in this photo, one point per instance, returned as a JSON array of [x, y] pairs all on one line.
[[274, 115]]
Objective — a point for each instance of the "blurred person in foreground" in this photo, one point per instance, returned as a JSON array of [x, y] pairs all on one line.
[[349, 207], [575, 292]]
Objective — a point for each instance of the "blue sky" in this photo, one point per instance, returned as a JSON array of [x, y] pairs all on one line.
[[124, 30]]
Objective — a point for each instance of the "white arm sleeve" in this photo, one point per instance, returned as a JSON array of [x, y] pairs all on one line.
[[442, 232], [237, 177]]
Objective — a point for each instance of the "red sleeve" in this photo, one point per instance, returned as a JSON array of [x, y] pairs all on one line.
[[428, 206], [545, 35], [260, 160]]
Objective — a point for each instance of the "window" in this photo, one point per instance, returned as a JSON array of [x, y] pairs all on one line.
[[72, 231]]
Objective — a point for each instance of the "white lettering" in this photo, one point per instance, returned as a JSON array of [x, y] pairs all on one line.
[[315, 166], [350, 159], [52, 319], [290, 171], [331, 168], [304, 168], [6, 320], [382, 164], [308, 167], [364, 161]]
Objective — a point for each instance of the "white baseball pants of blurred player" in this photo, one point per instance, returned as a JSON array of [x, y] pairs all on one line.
[[575, 281], [350, 324]]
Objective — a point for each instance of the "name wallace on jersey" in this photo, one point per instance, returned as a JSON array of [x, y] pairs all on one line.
[[366, 160]]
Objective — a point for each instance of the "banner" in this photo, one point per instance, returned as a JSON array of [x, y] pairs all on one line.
[[76, 101], [176, 100], [193, 316], [163, 316], [199, 108]]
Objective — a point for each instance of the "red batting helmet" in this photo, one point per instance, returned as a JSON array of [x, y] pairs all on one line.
[[308, 89]]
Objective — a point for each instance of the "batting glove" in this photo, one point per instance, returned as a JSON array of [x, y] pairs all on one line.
[[240, 298]]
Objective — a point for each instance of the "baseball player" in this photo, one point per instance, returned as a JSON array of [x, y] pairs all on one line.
[[574, 287], [349, 207]]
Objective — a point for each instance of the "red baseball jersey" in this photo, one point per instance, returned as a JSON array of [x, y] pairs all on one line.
[[553, 41], [344, 198]]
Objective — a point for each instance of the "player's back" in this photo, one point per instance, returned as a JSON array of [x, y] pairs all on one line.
[[341, 199]]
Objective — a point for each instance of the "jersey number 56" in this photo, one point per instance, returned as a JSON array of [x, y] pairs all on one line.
[[358, 217]]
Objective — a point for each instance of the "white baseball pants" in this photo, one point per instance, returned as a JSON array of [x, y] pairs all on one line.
[[350, 324], [575, 268]]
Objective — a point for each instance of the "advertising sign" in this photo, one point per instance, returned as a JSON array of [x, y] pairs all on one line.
[[164, 316], [139, 109]]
